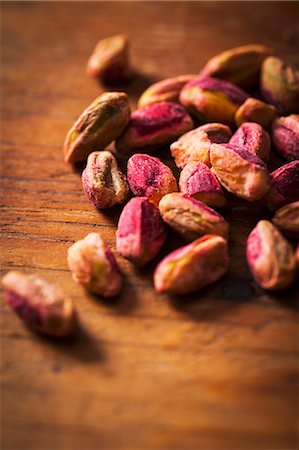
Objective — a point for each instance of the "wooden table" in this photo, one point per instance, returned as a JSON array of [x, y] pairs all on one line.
[[215, 370]]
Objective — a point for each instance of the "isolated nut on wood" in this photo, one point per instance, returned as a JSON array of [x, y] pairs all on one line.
[[240, 171], [239, 65], [100, 124], [149, 177], [270, 257], [251, 136], [164, 91], [254, 110], [287, 219], [103, 182], [191, 218], [195, 145], [212, 100], [285, 136], [42, 306], [110, 60], [284, 186], [192, 267], [153, 127], [93, 265], [141, 232], [197, 181]]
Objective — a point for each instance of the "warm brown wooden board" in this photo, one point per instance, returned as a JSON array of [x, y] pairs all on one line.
[[215, 370]]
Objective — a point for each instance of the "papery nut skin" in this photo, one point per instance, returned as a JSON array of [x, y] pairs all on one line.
[[99, 124], [254, 110], [141, 232], [284, 186], [285, 136], [109, 60], [192, 267], [42, 306], [197, 181], [280, 85], [149, 177], [239, 65], [103, 182], [287, 219], [164, 91], [94, 266], [270, 257], [240, 171], [191, 218], [153, 127], [251, 136], [195, 145], [212, 100]]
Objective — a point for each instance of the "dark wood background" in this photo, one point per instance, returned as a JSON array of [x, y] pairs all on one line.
[[215, 370]]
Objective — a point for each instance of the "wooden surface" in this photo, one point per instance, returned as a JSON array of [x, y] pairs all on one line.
[[215, 370]]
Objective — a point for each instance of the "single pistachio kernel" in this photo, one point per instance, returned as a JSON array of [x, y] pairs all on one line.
[[93, 265], [284, 186], [270, 257], [42, 306], [287, 219], [251, 136], [100, 124], [103, 182], [192, 267], [285, 136], [254, 110]]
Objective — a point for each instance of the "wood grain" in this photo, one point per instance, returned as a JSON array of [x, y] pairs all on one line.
[[214, 370]]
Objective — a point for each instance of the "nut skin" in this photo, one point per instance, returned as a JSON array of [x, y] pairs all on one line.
[[270, 257], [99, 124], [149, 177], [239, 65], [197, 181], [287, 219], [94, 266], [284, 186], [212, 100], [192, 267], [280, 85], [191, 218], [153, 127], [164, 91], [254, 110], [103, 182], [285, 136], [195, 145], [42, 306], [109, 60], [141, 232], [240, 171], [251, 136]]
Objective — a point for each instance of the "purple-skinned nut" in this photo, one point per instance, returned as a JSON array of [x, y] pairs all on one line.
[[239, 65], [195, 145], [103, 182], [94, 266], [212, 100], [284, 186], [197, 181], [270, 257], [287, 219], [153, 127], [190, 217], [110, 60], [164, 91], [251, 136], [192, 267], [42, 306], [141, 232], [285, 136], [240, 171], [149, 177], [280, 85], [254, 110]]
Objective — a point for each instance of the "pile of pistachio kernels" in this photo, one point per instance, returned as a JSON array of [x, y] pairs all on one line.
[[220, 137]]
